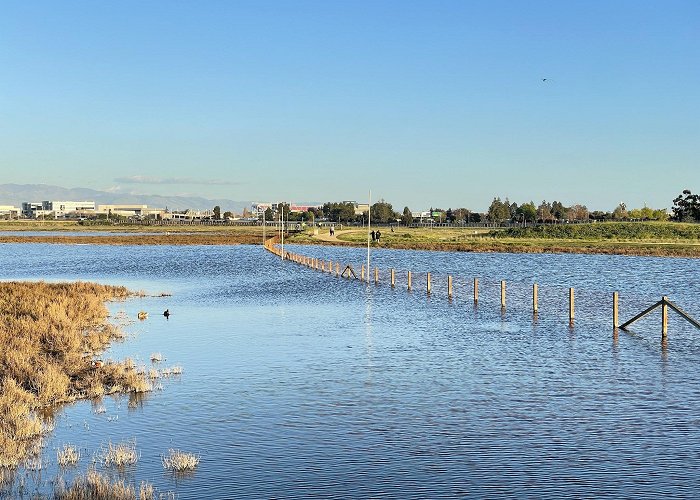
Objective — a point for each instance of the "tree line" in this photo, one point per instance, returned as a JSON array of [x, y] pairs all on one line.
[[686, 208]]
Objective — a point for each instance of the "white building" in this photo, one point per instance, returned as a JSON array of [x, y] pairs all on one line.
[[57, 208], [9, 211], [129, 210]]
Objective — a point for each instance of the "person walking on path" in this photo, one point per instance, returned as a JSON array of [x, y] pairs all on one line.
[[374, 236], [378, 235], [332, 231]]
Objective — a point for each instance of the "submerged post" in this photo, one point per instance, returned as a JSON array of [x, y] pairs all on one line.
[[362, 273], [571, 305], [503, 294], [393, 279], [664, 317], [476, 290], [409, 280], [534, 298], [427, 284], [376, 275], [615, 304], [449, 287]]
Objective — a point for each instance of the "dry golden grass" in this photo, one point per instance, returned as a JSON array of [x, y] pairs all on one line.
[[67, 456], [118, 455], [49, 333], [96, 486], [180, 461]]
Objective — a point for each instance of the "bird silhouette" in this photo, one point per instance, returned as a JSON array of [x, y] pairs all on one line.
[[166, 313]]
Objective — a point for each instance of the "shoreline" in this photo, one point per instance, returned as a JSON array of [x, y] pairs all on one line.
[[482, 245]]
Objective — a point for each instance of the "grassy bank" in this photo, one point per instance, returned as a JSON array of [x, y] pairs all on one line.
[[49, 335], [650, 239]]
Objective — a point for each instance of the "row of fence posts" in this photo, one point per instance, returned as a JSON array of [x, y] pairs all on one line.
[[348, 272]]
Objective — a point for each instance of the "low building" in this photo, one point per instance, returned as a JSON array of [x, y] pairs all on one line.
[[9, 211], [130, 210], [57, 208]]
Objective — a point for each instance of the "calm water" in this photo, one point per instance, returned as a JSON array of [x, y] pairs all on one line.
[[300, 384]]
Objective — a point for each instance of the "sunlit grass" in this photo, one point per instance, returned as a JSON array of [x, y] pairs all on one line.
[[68, 455], [118, 455], [180, 461], [49, 334]]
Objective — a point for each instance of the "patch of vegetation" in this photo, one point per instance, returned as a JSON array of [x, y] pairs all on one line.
[[49, 333], [180, 461], [96, 486], [620, 231]]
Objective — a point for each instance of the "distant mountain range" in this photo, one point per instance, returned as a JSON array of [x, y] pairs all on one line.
[[15, 194]]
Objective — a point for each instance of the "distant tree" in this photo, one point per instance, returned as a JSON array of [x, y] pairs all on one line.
[[620, 212], [578, 212], [527, 212], [228, 215], [559, 211], [406, 217], [217, 212], [382, 212], [499, 211], [544, 211], [686, 207], [460, 214], [268, 214]]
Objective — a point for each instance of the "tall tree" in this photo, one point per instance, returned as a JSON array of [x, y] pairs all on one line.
[[620, 212], [406, 217], [544, 211], [686, 207], [382, 212], [217, 212], [499, 211]]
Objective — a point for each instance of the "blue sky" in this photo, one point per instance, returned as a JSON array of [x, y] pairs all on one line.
[[428, 103]]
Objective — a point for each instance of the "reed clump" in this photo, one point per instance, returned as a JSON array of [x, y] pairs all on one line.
[[118, 455], [68, 455], [180, 461], [50, 333], [96, 486]]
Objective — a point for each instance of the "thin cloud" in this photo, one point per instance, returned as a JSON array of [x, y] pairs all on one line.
[[145, 179]]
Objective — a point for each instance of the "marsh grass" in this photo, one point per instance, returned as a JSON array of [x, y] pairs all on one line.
[[180, 461], [96, 486], [118, 455], [49, 333], [68, 456]]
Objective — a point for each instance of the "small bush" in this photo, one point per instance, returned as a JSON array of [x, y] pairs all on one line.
[[68, 456], [180, 461]]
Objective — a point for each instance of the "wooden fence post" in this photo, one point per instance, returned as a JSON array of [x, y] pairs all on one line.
[[427, 284], [409, 280], [615, 305], [363, 273], [503, 294], [476, 290], [449, 287], [571, 305], [376, 275], [664, 317], [534, 298], [393, 279]]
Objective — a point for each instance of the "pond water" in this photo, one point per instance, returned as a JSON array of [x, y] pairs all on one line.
[[299, 384]]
